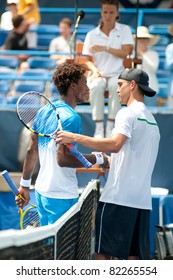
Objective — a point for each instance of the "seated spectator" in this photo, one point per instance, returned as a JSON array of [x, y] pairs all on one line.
[[105, 48], [150, 58], [16, 40], [6, 18], [62, 43], [169, 66]]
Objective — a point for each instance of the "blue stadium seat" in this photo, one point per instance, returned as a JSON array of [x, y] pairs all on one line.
[[166, 203], [4, 90], [163, 41], [54, 92], [40, 73], [84, 28], [46, 28], [22, 87], [3, 36], [163, 74], [7, 74], [42, 62], [12, 100], [4, 87], [162, 63], [9, 61], [161, 29], [43, 41], [163, 90]]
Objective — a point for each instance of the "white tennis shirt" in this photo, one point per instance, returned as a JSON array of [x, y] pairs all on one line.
[[106, 63], [129, 179]]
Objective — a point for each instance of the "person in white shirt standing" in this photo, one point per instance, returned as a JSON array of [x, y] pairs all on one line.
[[106, 47], [123, 214]]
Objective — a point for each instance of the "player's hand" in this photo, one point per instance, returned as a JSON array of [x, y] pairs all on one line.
[[106, 164], [21, 202], [63, 137]]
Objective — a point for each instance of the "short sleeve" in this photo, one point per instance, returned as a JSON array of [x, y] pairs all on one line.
[[87, 45], [74, 125], [128, 37], [124, 122]]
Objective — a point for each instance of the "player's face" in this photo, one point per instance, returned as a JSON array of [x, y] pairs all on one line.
[[82, 90], [109, 14], [123, 91]]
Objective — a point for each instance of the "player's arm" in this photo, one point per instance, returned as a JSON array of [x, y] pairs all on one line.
[[28, 167], [66, 159], [112, 145]]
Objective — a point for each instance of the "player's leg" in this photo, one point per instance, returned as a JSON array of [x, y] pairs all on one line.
[[140, 246], [114, 230]]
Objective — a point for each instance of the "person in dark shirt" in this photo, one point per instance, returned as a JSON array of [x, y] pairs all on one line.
[[16, 40]]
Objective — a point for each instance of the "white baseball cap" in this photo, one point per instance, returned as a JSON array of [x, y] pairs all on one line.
[[12, 2]]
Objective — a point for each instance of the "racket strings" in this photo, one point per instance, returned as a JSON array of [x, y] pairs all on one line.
[[31, 219], [37, 113]]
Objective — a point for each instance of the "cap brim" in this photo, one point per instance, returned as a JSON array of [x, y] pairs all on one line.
[[147, 90]]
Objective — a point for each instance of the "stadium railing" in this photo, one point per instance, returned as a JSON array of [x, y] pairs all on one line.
[[69, 238]]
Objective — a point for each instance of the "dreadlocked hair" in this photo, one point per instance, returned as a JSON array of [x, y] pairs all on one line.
[[67, 73]]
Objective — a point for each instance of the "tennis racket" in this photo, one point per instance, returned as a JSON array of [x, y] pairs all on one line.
[[39, 115], [28, 215]]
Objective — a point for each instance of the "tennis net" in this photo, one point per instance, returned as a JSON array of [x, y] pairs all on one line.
[[70, 238]]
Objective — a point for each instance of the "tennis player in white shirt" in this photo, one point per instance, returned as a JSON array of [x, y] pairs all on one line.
[[123, 214]]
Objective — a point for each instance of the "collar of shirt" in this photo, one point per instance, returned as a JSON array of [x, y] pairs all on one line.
[[115, 29]]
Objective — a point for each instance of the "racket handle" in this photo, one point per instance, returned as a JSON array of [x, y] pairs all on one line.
[[9, 181], [79, 156]]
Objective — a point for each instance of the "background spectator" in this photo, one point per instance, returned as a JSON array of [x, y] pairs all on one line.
[[150, 58], [105, 47], [6, 18], [62, 42], [16, 40]]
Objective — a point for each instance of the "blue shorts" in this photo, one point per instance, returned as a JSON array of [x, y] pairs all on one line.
[[51, 209]]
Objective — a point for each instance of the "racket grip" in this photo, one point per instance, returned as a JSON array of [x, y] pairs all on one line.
[[9, 181], [79, 156]]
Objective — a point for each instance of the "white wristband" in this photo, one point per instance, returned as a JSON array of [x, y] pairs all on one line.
[[25, 183], [99, 158]]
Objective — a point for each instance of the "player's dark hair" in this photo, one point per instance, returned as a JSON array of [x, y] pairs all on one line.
[[67, 73]]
